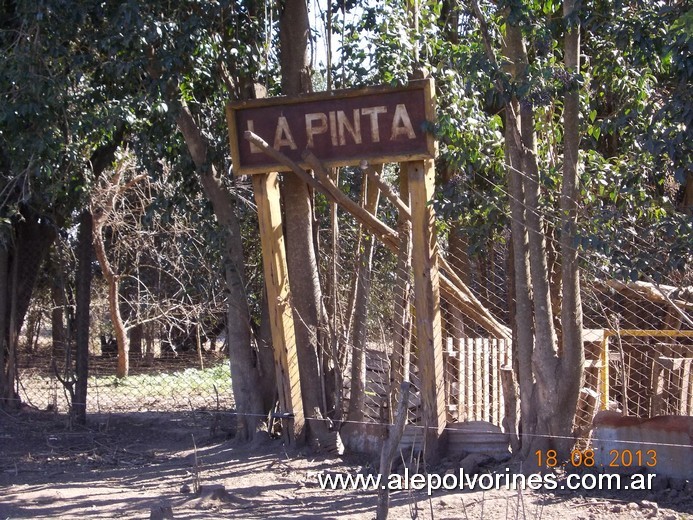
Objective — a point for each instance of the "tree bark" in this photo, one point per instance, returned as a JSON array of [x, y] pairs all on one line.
[[245, 379], [524, 312], [4, 317], [85, 254], [573, 355], [113, 282], [401, 352], [459, 260], [294, 33], [23, 253], [357, 399]]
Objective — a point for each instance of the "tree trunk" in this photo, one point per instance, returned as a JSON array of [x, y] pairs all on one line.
[[4, 317], [357, 399], [23, 257], [524, 312], [337, 344], [136, 335], [113, 282], [294, 33], [573, 355], [544, 359], [401, 352], [244, 374], [83, 302]]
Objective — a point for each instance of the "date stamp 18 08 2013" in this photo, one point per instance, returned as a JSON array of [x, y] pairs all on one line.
[[626, 458]]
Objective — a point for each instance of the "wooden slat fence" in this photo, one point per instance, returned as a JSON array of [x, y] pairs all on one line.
[[473, 383]]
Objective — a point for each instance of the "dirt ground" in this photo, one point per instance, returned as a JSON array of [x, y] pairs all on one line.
[[126, 466]]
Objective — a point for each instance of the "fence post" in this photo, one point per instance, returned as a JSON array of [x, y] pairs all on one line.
[[496, 399], [469, 353], [461, 371], [266, 188], [427, 299]]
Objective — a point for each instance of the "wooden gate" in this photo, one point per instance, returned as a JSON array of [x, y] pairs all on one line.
[[473, 386]]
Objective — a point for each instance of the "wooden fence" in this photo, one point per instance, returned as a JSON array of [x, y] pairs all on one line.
[[473, 386], [473, 389]]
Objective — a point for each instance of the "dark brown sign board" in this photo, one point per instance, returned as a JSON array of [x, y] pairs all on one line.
[[376, 124]]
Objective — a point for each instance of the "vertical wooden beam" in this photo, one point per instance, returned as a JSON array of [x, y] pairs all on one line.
[[427, 299], [657, 401], [266, 188], [486, 412], [496, 399], [604, 374], [469, 378], [685, 404], [478, 375], [462, 374]]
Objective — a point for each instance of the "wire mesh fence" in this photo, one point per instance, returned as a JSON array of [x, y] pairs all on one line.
[[161, 385], [637, 335]]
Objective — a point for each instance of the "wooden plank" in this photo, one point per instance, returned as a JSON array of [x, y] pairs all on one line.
[[469, 401], [427, 298], [478, 397], [486, 366], [266, 188], [449, 389], [496, 399], [684, 397], [658, 383], [461, 374], [687, 389], [378, 125]]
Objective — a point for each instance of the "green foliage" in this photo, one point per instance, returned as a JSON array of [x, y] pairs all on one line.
[[635, 118]]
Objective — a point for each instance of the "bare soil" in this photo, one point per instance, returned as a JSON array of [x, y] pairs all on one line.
[[143, 465]]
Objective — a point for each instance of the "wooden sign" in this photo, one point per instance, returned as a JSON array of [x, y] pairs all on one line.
[[377, 124]]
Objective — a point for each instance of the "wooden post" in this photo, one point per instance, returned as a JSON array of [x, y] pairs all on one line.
[[469, 378], [686, 381], [266, 188], [486, 412], [657, 401], [462, 374], [478, 381], [496, 399], [427, 300], [604, 375]]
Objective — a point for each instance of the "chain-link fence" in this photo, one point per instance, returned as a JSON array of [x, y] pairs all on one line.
[[637, 334]]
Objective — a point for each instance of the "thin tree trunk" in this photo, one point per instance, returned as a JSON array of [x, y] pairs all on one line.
[[8, 391], [357, 400], [459, 260], [294, 34], [333, 301], [544, 359], [401, 352], [573, 354], [523, 319], [244, 374], [83, 302], [113, 282], [4, 317]]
